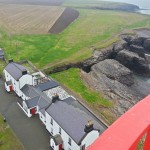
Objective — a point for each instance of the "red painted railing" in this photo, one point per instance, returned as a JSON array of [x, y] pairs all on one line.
[[126, 132]]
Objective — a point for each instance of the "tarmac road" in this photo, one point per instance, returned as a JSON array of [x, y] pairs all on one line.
[[31, 132]]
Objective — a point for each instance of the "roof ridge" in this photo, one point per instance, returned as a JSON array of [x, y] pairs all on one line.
[[17, 66], [34, 97]]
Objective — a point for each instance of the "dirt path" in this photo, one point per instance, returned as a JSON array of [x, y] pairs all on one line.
[[67, 17]]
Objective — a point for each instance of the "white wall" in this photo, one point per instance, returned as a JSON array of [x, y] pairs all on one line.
[[24, 97], [25, 109], [63, 134], [42, 118], [15, 84], [26, 79], [90, 138], [52, 144]]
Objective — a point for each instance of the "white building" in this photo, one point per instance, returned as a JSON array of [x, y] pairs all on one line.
[[72, 127], [16, 77]]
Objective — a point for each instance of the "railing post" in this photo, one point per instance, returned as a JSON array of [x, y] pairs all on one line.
[[147, 141], [134, 146]]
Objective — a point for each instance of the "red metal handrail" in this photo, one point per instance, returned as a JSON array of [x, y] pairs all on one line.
[[126, 132]]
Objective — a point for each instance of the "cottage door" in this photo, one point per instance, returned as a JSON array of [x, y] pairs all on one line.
[[10, 88], [33, 111], [60, 147]]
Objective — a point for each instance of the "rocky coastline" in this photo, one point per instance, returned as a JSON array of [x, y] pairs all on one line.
[[115, 71]]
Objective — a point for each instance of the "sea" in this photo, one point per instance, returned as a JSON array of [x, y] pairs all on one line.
[[143, 4]]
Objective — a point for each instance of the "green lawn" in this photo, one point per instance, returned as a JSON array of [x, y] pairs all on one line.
[[2, 65], [71, 79], [93, 3], [8, 141], [92, 28]]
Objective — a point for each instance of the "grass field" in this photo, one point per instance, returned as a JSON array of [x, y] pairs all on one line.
[[28, 19], [92, 3], [8, 141], [71, 79], [2, 65], [92, 28]]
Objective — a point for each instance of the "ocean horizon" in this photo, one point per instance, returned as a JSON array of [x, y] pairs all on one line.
[[143, 4]]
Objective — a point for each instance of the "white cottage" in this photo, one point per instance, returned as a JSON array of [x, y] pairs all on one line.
[[16, 77], [33, 99], [71, 127]]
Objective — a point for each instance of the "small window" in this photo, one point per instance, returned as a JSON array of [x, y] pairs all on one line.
[[59, 130], [51, 121], [69, 141], [51, 131], [83, 147]]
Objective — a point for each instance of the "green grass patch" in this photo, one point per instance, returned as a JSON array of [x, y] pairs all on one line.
[[93, 3], [92, 28], [2, 65], [8, 141], [71, 79]]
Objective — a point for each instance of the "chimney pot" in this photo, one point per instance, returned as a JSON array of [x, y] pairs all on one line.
[[88, 127], [24, 72], [55, 97], [10, 60]]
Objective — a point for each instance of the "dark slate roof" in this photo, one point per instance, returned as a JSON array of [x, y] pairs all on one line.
[[44, 102], [29, 91], [42, 111], [47, 85], [15, 70], [1, 52], [32, 102], [72, 119]]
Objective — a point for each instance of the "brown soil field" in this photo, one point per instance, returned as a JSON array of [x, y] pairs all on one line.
[[34, 2], [28, 19], [68, 16]]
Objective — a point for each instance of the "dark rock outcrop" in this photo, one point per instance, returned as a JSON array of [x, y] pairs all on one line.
[[97, 57], [115, 71], [133, 61], [147, 45], [137, 49], [117, 47]]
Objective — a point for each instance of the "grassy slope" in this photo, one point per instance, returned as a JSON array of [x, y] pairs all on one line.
[[7, 138], [92, 27], [2, 65], [71, 79], [93, 3]]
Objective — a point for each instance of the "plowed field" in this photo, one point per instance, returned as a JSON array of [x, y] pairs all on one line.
[[28, 19], [34, 2]]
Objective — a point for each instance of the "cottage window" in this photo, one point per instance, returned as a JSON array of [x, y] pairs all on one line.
[[51, 121], [59, 130], [69, 141], [51, 131], [83, 147]]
